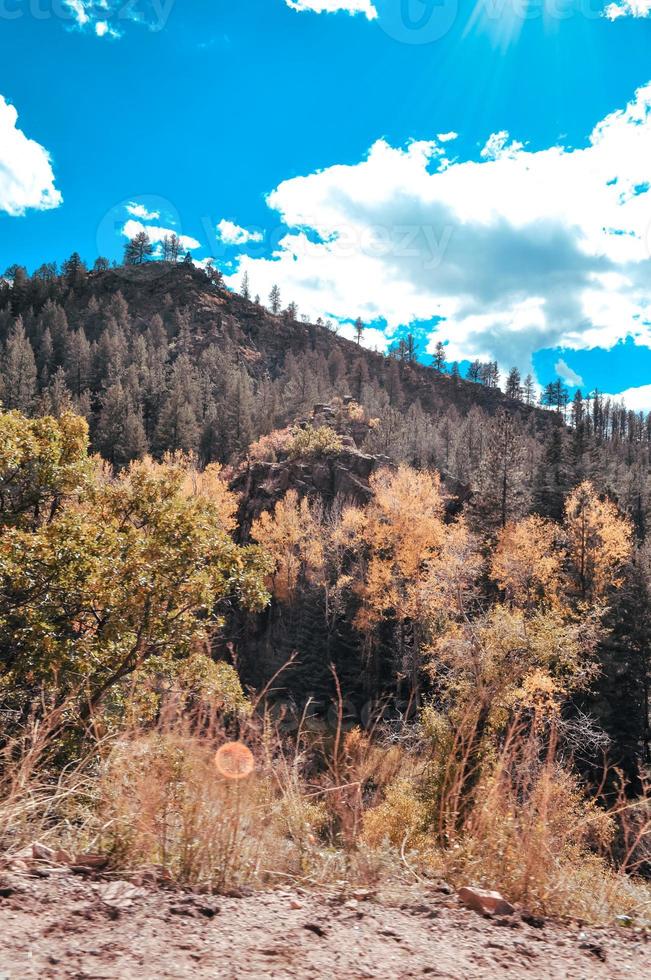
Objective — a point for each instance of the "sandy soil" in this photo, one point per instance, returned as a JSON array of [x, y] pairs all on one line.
[[69, 927]]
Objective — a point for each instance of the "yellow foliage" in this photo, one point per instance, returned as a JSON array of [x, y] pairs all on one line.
[[43, 461], [527, 564], [292, 537], [412, 564], [125, 567], [507, 657], [322, 441], [196, 680], [599, 541], [269, 447], [400, 818]]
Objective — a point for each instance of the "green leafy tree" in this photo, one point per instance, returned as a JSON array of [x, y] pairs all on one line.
[[126, 568]]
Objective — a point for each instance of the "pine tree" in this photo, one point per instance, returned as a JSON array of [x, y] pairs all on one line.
[[412, 348], [56, 399], [501, 485], [622, 697], [555, 395], [359, 330], [177, 425], [490, 375], [19, 373], [171, 247], [439, 357], [513, 385], [138, 249], [529, 391], [474, 372], [45, 356], [239, 411], [552, 481], [245, 289], [359, 379], [79, 362], [274, 299], [74, 271]]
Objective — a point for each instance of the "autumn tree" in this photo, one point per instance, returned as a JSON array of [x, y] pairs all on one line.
[[411, 566], [599, 541], [527, 563], [43, 464], [292, 537]]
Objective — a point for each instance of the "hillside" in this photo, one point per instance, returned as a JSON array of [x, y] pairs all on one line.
[[158, 357], [321, 618], [214, 315]]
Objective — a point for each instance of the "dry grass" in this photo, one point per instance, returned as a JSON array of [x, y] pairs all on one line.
[[38, 799], [517, 819], [351, 811], [164, 803]]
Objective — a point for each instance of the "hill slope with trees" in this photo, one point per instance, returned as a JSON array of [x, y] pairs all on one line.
[[418, 604]]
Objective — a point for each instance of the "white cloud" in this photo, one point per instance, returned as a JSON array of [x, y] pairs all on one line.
[[332, 6], [232, 234], [500, 145], [628, 8], [78, 9], [566, 374], [26, 177], [635, 399], [104, 29], [105, 18], [93, 15], [157, 234], [140, 211], [518, 250], [446, 137]]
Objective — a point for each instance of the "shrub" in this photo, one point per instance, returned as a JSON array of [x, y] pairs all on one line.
[[322, 441], [268, 448]]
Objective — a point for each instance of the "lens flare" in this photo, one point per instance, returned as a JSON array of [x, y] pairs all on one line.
[[234, 760]]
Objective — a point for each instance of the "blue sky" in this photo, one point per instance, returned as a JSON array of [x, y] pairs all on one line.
[[478, 170]]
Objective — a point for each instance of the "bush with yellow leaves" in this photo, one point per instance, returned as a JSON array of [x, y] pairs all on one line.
[[311, 441]]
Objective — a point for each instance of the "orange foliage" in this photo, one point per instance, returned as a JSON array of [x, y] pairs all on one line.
[[599, 541], [293, 537], [411, 564], [527, 564]]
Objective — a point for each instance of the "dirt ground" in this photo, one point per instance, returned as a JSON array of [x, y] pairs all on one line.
[[70, 927]]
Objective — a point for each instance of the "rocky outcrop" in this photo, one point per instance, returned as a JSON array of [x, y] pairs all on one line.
[[342, 476]]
